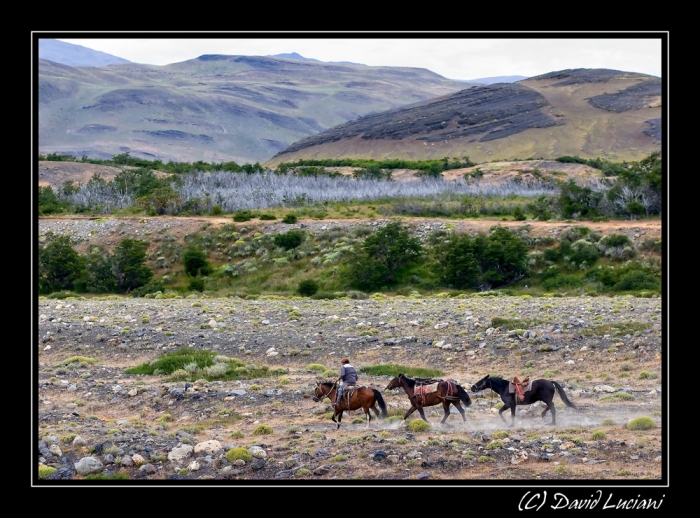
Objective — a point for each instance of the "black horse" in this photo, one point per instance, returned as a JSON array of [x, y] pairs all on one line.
[[541, 390]]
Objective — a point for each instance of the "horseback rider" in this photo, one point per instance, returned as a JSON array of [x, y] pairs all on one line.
[[348, 375]]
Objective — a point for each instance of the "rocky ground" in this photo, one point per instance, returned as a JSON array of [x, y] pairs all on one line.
[[95, 418]]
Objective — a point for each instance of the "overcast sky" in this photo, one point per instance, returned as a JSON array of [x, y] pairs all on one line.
[[465, 57]]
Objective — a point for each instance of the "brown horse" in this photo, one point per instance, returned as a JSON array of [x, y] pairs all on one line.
[[366, 398], [420, 395]]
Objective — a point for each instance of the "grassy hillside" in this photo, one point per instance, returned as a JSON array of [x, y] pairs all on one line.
[[214, 108], [586, 113]]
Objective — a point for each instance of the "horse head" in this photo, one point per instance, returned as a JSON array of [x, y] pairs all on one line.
[[394, 383], [320, 392], [480, 385]]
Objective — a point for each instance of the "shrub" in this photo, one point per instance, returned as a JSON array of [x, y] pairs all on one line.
[[647, 375], [243, 215], [484, 458], [289, 240], [618, 396], [641, 423], [269, 217], [598, 435], [418, 425], [307, 288], [315, 367], [196, 284], [238, 454], [45, 471], [236, 434], [195, 261], [290, 219], [263, 429]]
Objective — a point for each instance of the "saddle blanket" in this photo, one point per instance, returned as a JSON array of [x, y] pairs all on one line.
[[511, 386]]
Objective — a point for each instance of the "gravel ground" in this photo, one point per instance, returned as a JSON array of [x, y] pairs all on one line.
[[581, 342]]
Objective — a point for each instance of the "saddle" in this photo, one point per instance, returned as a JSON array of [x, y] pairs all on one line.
[[520, 386], [348, 392], [422, 389]]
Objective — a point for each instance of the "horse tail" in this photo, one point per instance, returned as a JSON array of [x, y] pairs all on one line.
[[380, 401], [565, 399], [463, 396]]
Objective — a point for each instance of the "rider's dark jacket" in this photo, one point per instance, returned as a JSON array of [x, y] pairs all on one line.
[[348, 374]]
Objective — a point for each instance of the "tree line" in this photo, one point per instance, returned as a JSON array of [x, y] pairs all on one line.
[[385, 260]]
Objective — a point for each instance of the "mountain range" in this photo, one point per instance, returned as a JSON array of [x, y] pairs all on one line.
[[280, 108], [215, 107]]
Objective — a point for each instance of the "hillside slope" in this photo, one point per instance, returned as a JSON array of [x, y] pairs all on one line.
[[214, 108], [583, 112]]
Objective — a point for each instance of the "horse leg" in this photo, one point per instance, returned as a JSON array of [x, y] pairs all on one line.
[[340, 418], [550, 406], [505, 407], [512, 415], [375, 410], [422, 414], [446, 408], [410, 411], [368, 416], [461, 410]]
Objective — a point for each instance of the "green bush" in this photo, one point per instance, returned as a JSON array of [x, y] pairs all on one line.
[[263, 429], [195, 261], [315, 367], [641, 423], [238, 454], [518, 213], [45, 471], [598, 435], [648, 375], [307, 288], [289, 240], [418, 425], [383, 256], [290, 219], [196, 284], [269, 217], [243, 215]]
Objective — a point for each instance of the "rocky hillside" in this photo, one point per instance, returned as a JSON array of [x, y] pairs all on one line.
[[214, 108], [583, 112]]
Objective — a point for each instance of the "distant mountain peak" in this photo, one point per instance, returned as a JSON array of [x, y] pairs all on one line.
[[299, 57], [75, 55]]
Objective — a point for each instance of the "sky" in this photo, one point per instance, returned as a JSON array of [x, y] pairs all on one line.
[[468, 56]]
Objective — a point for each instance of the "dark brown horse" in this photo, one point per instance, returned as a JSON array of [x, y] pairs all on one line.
[[420, 395], [362, 397], [541, 390]]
